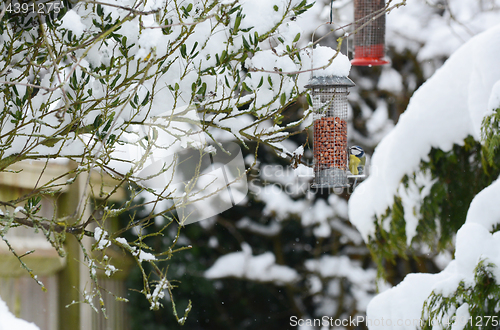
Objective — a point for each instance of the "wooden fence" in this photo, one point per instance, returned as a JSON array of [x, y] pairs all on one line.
[[65, 277]]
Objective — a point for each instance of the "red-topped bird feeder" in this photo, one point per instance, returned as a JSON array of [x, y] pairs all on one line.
[[369, 40]]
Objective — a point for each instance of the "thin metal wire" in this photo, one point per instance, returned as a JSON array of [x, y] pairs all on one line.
[[331, 12]]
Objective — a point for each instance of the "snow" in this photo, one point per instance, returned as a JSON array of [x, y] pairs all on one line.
[[412, 196], [145, 256], [340, 66], [494, 101], [72, 22], [405, 301], [158, 293], [424, 29], [8, 321], [261, 268], [402, 302], [100, 237], [442, 112], [363, 280], [378, 123], [318, 215], [390, 80], [462, 316], [485, 208], [273, 229], [447, 108]]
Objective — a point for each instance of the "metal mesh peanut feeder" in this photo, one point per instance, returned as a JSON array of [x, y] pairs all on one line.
[[369, 41], [329, 97]]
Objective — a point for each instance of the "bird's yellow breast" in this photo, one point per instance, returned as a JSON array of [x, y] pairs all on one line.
[[353, 164]]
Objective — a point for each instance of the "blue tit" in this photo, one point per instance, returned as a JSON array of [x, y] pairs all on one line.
[[357, 160]]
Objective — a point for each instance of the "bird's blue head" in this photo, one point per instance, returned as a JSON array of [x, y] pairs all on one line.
[[357, 151]]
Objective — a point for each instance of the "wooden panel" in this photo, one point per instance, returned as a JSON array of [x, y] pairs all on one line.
[[26, 300], [116, 311]]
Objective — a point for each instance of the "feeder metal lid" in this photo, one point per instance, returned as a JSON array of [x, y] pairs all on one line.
[[330, 81]]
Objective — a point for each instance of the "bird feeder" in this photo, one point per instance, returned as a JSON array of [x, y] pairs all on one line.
[[329, 98], [369, 40]]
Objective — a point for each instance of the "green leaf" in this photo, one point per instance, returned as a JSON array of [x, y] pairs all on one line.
[[270, 81], [223, 56], [113, 83], [97, 121], [309, 100], [237, 24], [276, 8], [245, 44], [260, 82], [202, 89], [100, 11], [297, 37], [146, 100], [194, 47], [283, 99], [245, 87], [183, 51], [233, 10]]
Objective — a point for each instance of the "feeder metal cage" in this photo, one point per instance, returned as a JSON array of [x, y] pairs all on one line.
[[369, 41], [329, 97]]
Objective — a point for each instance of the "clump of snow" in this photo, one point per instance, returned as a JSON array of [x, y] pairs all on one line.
[[101, 238], [158, 293], [378, 123], [261, 268], [363, 280], [318, 215], [145, 256], [431, 32], [462, 316], [405, 301], [390, 80], [110, 270], [340, 66], [253, 11], [402, 302], [494, 101], [72, 21], [412, 197], [442, 112], [273, 229], [9, 321], [122, 241], [278, 202], [484, 208]]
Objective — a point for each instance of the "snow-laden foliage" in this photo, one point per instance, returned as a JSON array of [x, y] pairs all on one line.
[[434, 175], [105, 85], [441, 114]]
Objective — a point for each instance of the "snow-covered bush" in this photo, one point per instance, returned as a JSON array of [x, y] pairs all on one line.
[[87, 83], [435, 190]]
